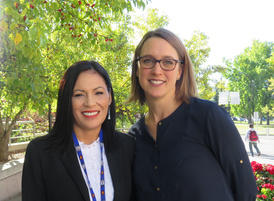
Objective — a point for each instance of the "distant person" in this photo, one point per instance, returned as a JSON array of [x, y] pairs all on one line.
[[253, 138], [83, 158], [187, 149]]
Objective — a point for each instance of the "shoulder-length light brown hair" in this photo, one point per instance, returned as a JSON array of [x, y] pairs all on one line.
[[185, 86]]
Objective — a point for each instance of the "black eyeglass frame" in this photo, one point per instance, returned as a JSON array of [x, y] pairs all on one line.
[[159, 61]]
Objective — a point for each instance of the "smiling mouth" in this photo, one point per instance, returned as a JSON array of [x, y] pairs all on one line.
[[157, 82], [90, 114]]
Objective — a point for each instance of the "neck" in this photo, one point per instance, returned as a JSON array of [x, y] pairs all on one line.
[[87, 137], [159, 110]]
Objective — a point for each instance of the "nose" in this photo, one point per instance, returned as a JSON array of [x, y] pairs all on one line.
[[157, 67], [90, 100]]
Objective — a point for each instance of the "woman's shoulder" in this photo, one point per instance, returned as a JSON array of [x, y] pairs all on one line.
[[37, 147], [124, 136], [203, 105], [137, 128], [124, 140], [211, 111], [39, 143]]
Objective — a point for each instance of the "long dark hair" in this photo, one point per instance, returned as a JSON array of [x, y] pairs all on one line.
[[61, 133], [185, 86]]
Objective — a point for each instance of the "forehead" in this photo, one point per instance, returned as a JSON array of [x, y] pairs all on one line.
[[89, 79], [158, 47]]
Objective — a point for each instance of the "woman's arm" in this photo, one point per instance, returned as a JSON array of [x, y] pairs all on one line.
[[227, 145], [32, 179]]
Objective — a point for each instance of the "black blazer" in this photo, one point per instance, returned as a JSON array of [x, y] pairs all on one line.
[[52, 175]]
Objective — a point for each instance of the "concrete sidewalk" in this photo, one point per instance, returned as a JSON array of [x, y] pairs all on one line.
[[266, 146], [16, 198], [10, 179]]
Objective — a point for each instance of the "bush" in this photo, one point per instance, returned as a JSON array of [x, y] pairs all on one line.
[[264, 175]]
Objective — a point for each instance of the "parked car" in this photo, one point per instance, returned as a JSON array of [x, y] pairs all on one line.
[[235, 118], [243, 119]]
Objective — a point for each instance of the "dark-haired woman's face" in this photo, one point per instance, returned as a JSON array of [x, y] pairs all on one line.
[[90, 102]]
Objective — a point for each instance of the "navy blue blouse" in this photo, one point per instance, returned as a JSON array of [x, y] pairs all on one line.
[[198, 155]]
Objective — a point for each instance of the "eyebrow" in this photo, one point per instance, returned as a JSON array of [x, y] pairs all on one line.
[[98, 88], [166, 56], [82, 90]]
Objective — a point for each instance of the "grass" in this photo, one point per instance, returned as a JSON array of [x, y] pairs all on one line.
[[261, 129]]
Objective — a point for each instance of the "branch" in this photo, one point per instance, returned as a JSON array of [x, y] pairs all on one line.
[[129, 116], [8, 127], [1, 124], [17, 116], [6, 123]]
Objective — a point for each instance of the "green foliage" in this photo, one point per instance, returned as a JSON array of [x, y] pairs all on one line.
[[45, 37], [199, 51], [40, 39], [220, 86], [249, 74], [149, 21], [269, 108]]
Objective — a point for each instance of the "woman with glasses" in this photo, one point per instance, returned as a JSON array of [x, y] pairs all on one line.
[[83, 158], [187, 149]]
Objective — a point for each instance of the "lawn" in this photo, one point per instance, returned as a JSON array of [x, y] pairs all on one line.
[[261, 129]]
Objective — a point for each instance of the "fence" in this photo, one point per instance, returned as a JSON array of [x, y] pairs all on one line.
[[24, 132], [27, 130]]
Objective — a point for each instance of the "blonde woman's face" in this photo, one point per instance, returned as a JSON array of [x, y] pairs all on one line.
[[156, 82]]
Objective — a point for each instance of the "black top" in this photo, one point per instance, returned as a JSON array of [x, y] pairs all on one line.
[[52, 175], [198, 156]]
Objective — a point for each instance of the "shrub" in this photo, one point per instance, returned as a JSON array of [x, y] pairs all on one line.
[[264, 175]]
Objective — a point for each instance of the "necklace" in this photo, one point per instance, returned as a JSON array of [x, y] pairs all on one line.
[[81, 158]]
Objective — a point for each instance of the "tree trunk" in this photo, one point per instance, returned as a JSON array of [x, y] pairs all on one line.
[[4, 142], [267, 119], [249, 119], [50, 118], [5, 132]]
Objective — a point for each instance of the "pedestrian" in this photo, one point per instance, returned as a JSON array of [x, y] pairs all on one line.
[[253, 138], [186, 148], [83, 157]]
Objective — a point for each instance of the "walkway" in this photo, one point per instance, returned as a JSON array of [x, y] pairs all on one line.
[[266, 147]]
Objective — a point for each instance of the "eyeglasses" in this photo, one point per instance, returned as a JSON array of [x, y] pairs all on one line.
[[167, 64]]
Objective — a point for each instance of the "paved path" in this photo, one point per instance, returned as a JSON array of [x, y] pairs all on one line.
[[266, 146], [16, 198]]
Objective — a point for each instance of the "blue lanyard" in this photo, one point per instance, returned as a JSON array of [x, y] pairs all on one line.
[[81, 158]]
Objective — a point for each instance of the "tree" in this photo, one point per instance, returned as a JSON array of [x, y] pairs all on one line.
[[40, 39], [150, 20], [249, 74], [199, 51], [220, 86], [268, 109]]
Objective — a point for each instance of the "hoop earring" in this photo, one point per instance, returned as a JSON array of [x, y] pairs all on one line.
[[108, 113]]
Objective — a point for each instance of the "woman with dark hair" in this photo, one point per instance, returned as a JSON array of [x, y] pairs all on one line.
[[187, 149], [83, 157]]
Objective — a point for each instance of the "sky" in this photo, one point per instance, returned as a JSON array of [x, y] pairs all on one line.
[[231, 25]]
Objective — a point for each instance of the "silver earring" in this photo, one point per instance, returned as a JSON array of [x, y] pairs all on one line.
[[108, 113]]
